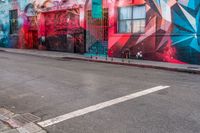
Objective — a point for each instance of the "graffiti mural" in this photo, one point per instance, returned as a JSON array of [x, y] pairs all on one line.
[[4, 26], [186, 19], [165, 30], [63, 31], [43, 24], [28, 28], [172, 33], [58, 26], [97, 33], [3, 34]]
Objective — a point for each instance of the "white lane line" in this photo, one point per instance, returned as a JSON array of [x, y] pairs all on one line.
[[99, 106]]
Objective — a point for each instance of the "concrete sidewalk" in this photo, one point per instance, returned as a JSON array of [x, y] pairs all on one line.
[[132, 62], [18, 123]]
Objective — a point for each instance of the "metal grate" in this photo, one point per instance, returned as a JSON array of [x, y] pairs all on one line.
[[25, 118], [31, 117]]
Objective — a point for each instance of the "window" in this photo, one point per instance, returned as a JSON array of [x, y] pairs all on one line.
[[13, 21], [2, 0], [132, 19]]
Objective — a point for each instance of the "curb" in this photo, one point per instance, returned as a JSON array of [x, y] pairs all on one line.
[[138, 65], [184, 70]]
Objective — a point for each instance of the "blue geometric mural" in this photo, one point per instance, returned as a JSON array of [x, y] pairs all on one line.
[[179, 19], [186, 30]]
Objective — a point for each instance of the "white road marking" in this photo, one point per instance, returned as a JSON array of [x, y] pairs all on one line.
[[99, 106]]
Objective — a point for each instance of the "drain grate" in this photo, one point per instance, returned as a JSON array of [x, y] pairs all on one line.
[[31, 117], [25, 118]]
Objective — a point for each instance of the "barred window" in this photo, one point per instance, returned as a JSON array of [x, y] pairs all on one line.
[[13, 14], [132, 19]]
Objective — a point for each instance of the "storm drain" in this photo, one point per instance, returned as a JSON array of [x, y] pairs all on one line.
[[25, 119], [19, 123]]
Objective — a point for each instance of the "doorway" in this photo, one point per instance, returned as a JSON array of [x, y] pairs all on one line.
[[63, 31]]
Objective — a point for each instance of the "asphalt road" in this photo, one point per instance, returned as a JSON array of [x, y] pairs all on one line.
[[49, 88]]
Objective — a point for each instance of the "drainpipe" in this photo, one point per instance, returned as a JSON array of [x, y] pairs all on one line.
[[85, 12]]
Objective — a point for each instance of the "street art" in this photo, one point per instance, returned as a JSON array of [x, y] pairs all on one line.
[[28, 28], [4, 27], [172, 29], [57, 23], [172, 33], [63, 31], [6, 39], [3, 34], [53, 25], [186, 20]]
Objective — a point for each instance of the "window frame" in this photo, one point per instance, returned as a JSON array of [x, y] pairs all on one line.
[[132, 19], [11, 18]]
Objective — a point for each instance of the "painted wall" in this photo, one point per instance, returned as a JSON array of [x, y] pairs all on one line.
[[5, 39], [51, 21], [62, 25], [172, 32]]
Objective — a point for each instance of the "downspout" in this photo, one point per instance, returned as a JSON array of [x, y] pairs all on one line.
[[85, 12]]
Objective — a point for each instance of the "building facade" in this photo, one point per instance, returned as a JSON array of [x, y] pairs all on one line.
[[160, 30]]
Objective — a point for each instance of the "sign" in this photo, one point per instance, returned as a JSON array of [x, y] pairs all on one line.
[[97, 9]]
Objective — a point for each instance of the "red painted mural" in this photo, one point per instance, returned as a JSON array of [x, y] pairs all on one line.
[[57, 25], [28, 31], [169, 33], [62, 31], [158, 30]]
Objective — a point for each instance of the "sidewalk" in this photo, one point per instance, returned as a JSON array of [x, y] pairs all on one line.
[[18, 123], [132, 62]]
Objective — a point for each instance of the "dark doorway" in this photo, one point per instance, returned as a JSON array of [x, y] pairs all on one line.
[[63, 31]]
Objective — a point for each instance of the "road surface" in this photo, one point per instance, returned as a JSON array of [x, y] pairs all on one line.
[[51, 88]]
